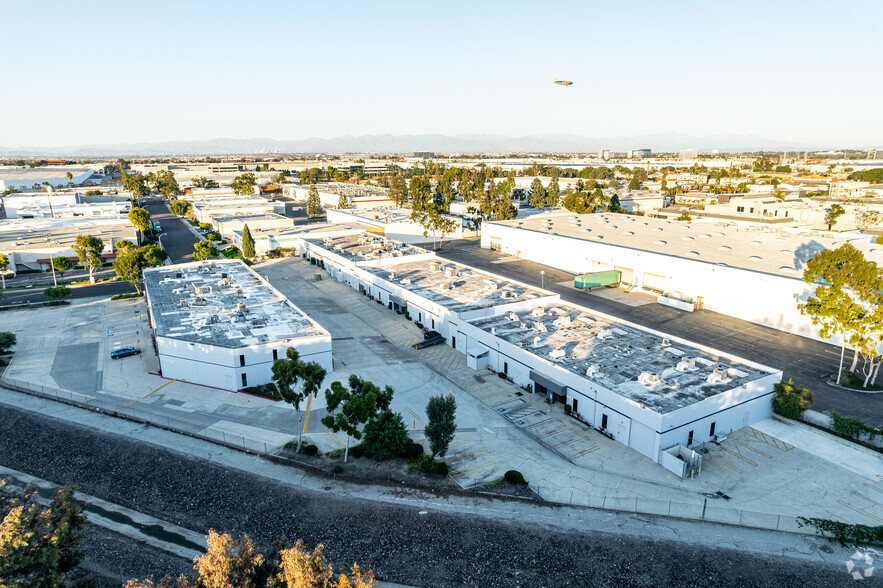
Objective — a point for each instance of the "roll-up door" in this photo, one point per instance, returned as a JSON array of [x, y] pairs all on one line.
[[626, 274], [643, 439], [654, 282]]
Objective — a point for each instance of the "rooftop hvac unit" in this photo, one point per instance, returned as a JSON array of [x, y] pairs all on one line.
[[536, 342], [405, 281], [392, 275], [240, 306], [197, 301], [451, 272], [557, 353], [512, 316], [434, 267], [538, 311], [445, 286], [239, 292], [507, 294], [720, 371], [199, 291]]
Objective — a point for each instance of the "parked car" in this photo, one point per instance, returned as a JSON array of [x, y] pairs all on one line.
[[124, 352]]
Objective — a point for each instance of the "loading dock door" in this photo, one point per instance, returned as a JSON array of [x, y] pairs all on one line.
[[626, 274], [642, 439], [654, 282]]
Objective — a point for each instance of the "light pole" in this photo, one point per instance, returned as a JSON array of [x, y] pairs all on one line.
[[51, 263], [543, 278]]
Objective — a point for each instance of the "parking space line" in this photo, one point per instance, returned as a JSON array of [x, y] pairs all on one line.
[[585, 452], [539, 423], [738, 455], [336, 440], [139, 399], [770, 440], [457, 443], [872, 487], [855, 508], [472, 469], [726, 463], [507, 402], [854, 493], [845, 520], [416, 418], [464, 456], [550, 433], [577, 439], [493, 395], [753, 449]]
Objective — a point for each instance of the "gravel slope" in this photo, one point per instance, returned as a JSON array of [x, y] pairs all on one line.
[[436, 549]]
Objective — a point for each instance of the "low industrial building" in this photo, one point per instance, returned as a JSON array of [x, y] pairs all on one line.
[[357, 195], [395, 223], [226, 225], [645, 389], [30, 244], [204, 212], [748, 272], [220, 324], [27, 178], [268, 240]]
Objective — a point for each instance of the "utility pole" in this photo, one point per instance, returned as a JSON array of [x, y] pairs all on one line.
[[51, 264]]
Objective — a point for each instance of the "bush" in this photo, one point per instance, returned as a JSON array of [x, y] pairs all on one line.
[[337, 468], [845, 533], [231, 253], [430, 466], [567, 409], [514, 477], [213, 236], [414, 450], [851, 427], [791, 401], [502, 375], [386, 436], [205, 226], [357, 451], [310, 450]]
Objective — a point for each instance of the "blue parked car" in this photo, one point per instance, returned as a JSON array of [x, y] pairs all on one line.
[[124, 352]]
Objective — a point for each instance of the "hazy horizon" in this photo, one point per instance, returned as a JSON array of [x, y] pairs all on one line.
[[793, 72]]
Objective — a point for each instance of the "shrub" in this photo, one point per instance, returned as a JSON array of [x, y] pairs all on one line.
[[337, 468], [845, 533], [357, 451], [413, 450], [213, 236], [386, 436], [430, 466], [205, 226], [791, 401], [310, 450], [515, 477], [851, 427], [502, 375], [567, 409]]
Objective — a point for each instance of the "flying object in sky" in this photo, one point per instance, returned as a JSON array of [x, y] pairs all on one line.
[[563, 83]]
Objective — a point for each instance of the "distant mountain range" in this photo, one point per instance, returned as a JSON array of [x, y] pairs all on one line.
[[552, 143]]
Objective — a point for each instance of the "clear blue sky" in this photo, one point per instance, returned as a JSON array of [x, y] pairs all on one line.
[[121, 72]]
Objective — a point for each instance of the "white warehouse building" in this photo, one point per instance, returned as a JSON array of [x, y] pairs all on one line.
[[751, 273], [220, 324]]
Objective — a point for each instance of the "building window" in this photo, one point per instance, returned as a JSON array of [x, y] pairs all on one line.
[[740, 209], [454, 342], [752, 210], [244, 381], [241, 360], [604, 422], [275, 355], [711, 431], [690, 439], [433, 323]]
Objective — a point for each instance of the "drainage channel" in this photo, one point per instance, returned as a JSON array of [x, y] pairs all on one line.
[[155, 532]]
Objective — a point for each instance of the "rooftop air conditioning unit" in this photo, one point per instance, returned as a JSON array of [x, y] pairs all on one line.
[[538, 311], [507, 294], [392, 275], [434, 267], [240, 306], [450, 272], [720, 372], [200, 291]]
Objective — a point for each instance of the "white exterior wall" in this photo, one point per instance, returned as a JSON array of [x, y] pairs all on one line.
[[220, 367], [55, 181], [761, 298]]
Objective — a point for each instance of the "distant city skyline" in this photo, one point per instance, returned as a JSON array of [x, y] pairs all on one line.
[[110, 73]]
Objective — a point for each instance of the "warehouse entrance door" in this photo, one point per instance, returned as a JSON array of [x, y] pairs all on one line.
[[626, 275], [654, 282]]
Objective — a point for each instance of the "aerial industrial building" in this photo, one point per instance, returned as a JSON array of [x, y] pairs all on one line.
[[751, 273], [27, 178], [220, 324]]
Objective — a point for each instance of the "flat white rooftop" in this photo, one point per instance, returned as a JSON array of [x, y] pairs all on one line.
[[222, 303], [26, 173], [754, 248], [33, 233], [454, 286], [641, 366], [365, 247]]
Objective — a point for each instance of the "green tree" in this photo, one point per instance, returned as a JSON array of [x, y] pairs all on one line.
[[281, 177], [835, 212], [179, 207], [89, 250], [247, 243], [419, 188], [7, 341], [441, 426], [842, 277], [128, 266], [39, 545], [537, 193], [685, 217], [166, 184], [386, 436], [296, 380], [62, 264], [140, 219], [552, 193], [57, 292], [348, 409], [614, 205], [136, 185], [398, 190], [434, 223], [4, 266], [314, 203], [123, 244], [153, 255], [204, 250], [244, 183], [343, 202], [791, 401]]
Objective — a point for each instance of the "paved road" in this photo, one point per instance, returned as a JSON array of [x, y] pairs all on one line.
[[105, 289], [805, 360], [177, 238]]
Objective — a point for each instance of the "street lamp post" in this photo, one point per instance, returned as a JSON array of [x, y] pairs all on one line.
[[543, 278], [51, 263]]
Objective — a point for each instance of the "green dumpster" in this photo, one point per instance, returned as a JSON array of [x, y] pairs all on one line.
[[595, 279]]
